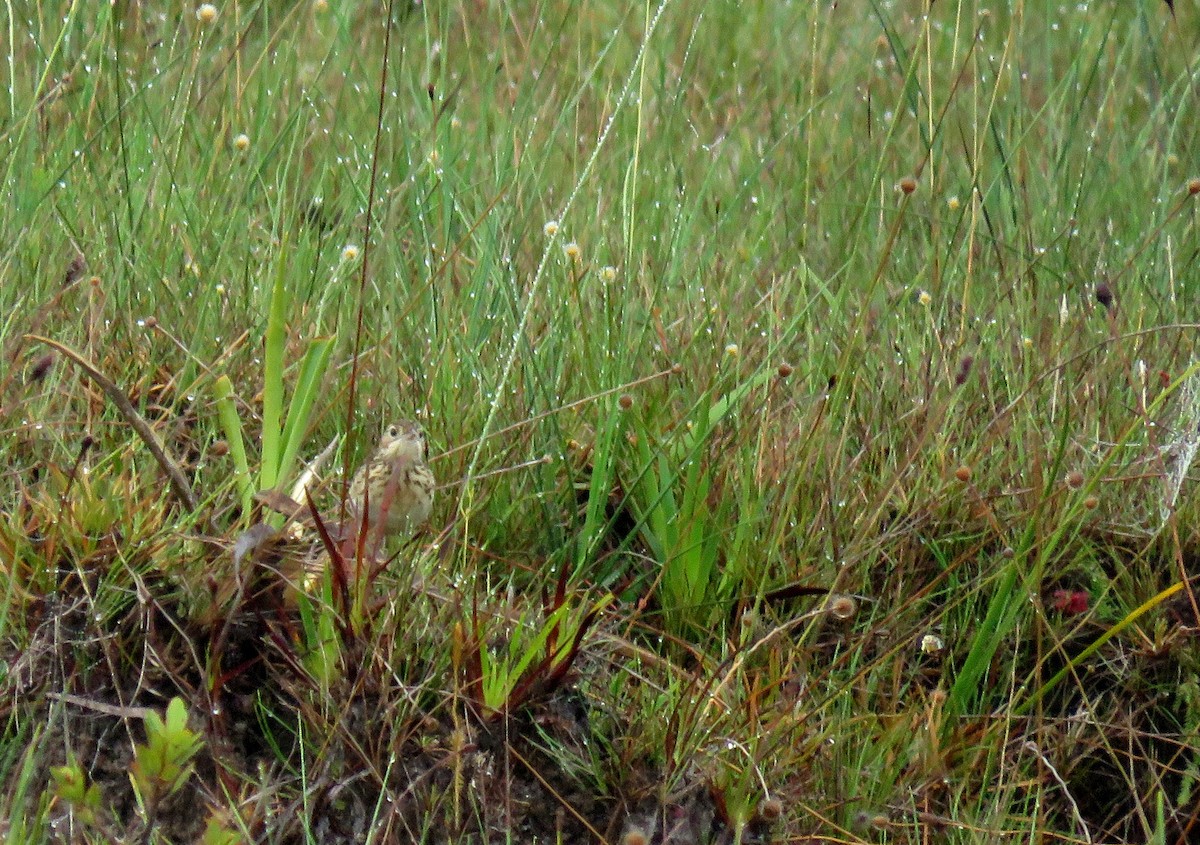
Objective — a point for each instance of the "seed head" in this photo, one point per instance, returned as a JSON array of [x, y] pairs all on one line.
[[625, 401], [1193, 187], [1075, 479], [206, 13], [861, 820], [963, 473], [770, 809], [785, 370], [219, 448], [908, 184], [964, 370], [842, 607], [1104, 295], [1091, 503], [241, 143], [636, 836]]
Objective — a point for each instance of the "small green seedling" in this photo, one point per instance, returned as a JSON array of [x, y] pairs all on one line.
[[218, 832], [162, 765], [71, 787]]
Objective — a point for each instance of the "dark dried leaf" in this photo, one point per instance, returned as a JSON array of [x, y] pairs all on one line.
[[75, 270], [42, 368]]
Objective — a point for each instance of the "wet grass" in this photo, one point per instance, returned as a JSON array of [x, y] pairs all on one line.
[[811, 387]]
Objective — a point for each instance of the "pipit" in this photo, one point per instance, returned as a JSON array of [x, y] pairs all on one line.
[[394, 489]]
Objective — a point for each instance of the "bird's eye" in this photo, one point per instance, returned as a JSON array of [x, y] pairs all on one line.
[[393, 431]]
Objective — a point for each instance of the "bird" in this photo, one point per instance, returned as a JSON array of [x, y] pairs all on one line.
[[393, 491]]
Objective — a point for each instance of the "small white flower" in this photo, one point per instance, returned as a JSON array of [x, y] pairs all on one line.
[[732, 349], [241, 143], [551, 228], [349, 252], [572, 251], [924, 298], [608, 273], [931, 644], [206, 13]]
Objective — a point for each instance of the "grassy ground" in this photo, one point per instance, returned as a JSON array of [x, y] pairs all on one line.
[[811, 386]]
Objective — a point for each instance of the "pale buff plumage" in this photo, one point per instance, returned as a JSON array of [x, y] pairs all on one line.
[[395, 486]]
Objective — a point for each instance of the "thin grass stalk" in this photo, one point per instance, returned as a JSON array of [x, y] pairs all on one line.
[[231, 425], [273, 349], [304, 394]]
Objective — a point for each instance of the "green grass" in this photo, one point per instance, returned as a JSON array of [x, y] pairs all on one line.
[[892, 303]]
